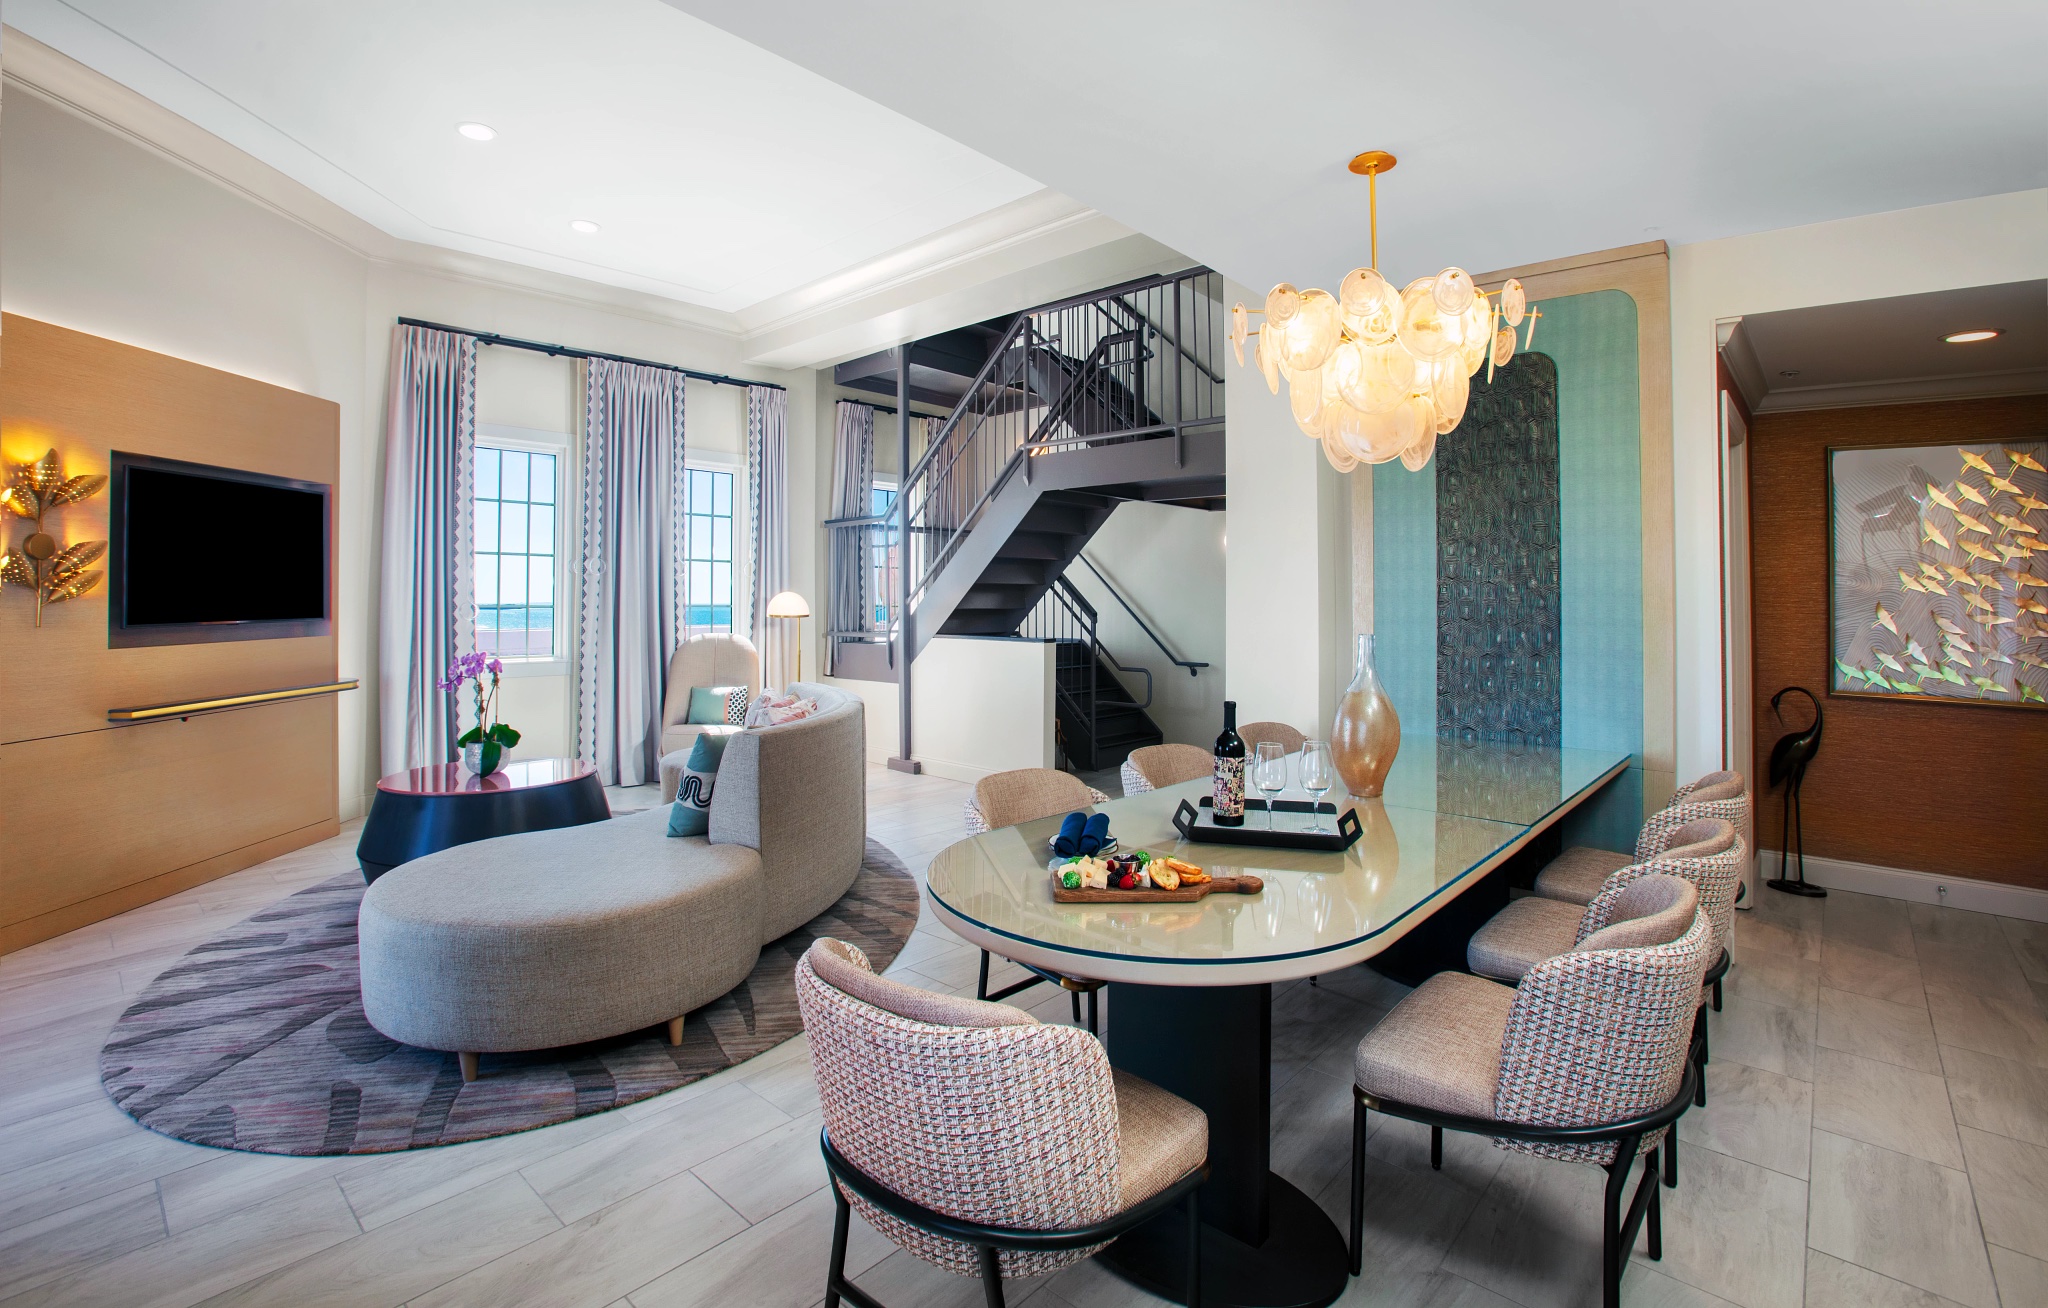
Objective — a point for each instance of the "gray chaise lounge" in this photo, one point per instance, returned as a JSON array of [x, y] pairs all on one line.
[[552, 938]]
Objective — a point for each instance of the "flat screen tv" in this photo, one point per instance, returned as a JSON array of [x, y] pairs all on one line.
[[205, 554]]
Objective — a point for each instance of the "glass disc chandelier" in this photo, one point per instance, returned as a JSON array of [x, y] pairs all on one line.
[[1377, 373]]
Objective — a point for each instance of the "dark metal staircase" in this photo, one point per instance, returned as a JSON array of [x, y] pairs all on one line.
[[1078, 406]]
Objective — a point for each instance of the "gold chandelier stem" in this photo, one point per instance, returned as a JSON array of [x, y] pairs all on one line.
[[1372, 190]]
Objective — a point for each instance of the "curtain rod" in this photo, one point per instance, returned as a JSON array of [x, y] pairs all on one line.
[[564, 351]]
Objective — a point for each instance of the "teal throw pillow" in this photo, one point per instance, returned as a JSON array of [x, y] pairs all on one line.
[[691, 813], [712, 705]]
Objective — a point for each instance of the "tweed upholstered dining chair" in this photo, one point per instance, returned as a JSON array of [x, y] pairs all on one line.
[[1584, 1060], [1003, 799], [1289, 740], [1154, 766], [1706, 852], [1579, 873], [981, 1140]]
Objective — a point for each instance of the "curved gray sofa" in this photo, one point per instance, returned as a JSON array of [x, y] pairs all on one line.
[[552, 938]]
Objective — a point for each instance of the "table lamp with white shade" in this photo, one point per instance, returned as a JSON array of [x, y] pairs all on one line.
[[789, 604]]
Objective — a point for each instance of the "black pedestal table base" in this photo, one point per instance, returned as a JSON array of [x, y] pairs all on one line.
[[402, 827], [1266, 1244]]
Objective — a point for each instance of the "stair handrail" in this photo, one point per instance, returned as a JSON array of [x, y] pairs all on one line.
[[1193, 667], [975, 452], [1084, 612]]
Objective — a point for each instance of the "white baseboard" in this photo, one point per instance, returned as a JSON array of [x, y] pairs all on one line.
[[1918, 887]]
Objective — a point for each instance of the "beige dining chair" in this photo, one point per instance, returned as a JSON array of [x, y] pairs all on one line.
[[1253, 733], [1004, 799], [1584, 1060], [1579, 873], [981, 1140], [1154, 766], [1706, 852]]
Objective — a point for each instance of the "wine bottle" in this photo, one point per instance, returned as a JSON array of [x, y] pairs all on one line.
[[1228, 800]]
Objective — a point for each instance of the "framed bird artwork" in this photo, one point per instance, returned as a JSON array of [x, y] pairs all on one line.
[[1938, 585]]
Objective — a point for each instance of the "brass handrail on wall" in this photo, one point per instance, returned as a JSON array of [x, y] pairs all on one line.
[[157, 712]]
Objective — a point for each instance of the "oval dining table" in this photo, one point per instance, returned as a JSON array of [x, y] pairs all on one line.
[[1191, 985]]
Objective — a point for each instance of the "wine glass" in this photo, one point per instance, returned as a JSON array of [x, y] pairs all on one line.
[[1318, 775], [1269, 774]]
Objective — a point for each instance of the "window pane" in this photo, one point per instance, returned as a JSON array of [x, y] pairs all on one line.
[[721, 497], [700, 537], [514, 534], [700, 492], [540, 529], [513, 483], [487, 579], [540, 626], [721, 538], [540, 581], [721, 583], [487, 473], [512, 578], [700, 583], [486, 525], [543, 479]]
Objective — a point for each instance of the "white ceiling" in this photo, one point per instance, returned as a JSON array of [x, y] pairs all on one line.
[[720, 173], [1525, 131]]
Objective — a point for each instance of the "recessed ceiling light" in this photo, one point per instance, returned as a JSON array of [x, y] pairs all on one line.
[[583, 225], [477, 131], [1981, 334], [1788, 372]]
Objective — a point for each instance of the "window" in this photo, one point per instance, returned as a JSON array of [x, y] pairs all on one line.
[[516, 508], [707, 545], [882, 555]]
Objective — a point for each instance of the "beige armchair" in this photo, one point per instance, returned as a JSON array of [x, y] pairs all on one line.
[[709, 660]]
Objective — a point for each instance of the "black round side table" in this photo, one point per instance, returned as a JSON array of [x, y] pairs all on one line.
[[442, 805]]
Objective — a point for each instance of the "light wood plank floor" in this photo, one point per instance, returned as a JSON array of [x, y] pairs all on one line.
[[1877, 1134]]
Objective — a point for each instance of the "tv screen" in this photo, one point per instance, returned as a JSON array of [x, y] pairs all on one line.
[[204, 554]]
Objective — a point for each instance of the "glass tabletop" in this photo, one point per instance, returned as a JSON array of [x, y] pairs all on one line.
[[1320, 909], [1500, 783]]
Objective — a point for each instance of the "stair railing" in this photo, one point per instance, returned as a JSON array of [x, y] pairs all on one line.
[[1065, 618], [1171, 657], [1133, 362], [1137, 361]]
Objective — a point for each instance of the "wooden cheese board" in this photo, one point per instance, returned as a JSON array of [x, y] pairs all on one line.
[[1184, 895]]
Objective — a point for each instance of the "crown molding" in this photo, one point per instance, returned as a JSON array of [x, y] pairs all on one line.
[[844, 312], [30, 66], [1905, 390]]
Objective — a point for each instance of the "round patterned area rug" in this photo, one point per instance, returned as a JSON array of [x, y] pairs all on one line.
[[256, 1039]]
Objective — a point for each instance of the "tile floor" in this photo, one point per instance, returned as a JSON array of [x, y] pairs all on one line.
[[1877, 1134]]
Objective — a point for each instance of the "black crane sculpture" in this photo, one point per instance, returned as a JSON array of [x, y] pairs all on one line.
[[1789, 758]]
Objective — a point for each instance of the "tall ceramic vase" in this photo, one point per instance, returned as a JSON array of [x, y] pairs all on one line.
[[1367, 733]]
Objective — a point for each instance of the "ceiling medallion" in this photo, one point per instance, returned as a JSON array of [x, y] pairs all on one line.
[[1376, 373]]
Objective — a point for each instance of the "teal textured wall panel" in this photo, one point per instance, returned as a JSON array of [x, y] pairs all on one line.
[[1600, 484], [1593, 340], [1404, 590]]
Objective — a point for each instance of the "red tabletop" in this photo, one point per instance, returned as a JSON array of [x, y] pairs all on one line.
[[454, 779]]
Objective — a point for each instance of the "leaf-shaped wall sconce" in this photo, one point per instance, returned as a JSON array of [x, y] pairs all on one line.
[[54, 573]]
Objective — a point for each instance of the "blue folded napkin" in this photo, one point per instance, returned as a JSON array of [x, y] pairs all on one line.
[[1068, 843], [1095, 834]]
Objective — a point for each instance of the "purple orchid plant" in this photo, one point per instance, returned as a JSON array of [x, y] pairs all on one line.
[[495, 738]]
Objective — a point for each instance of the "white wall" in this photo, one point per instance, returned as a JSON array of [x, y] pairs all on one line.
[[1287, 574], [1168, 562], [109, 236], [979, 706], [2000, 238]]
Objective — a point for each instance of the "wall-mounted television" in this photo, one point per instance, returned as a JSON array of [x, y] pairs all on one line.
[[204, 554]]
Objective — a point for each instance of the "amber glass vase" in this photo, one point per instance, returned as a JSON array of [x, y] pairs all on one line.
[[1367, 733]]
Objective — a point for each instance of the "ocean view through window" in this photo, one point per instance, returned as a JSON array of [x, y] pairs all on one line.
[[515, 534], [707, 537]]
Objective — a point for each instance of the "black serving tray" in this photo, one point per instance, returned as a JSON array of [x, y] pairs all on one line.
[[1199, 824]]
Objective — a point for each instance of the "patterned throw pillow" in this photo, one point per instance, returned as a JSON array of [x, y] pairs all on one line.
[[690, 815], [713, 706]]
